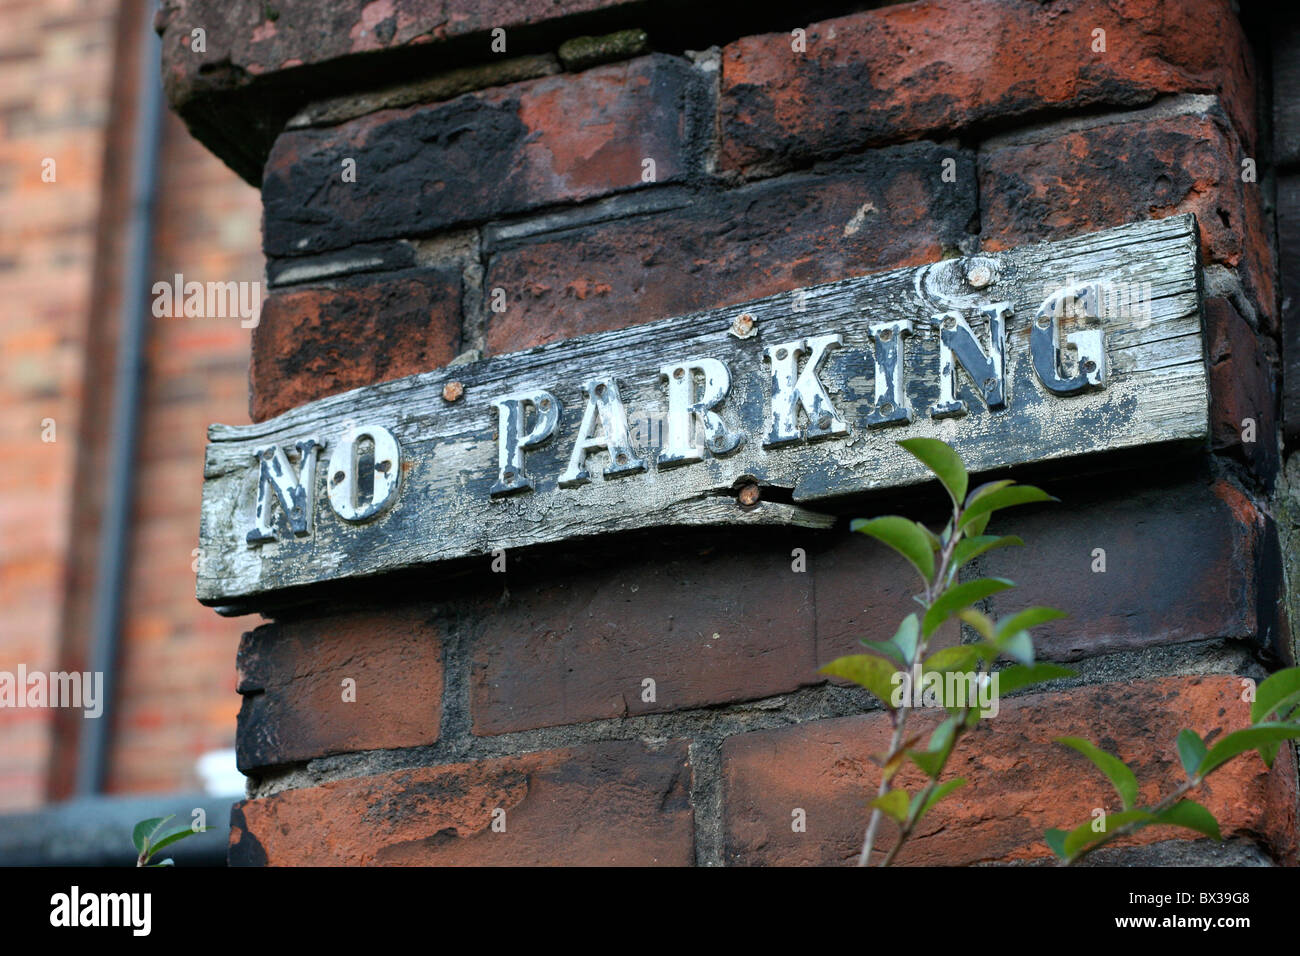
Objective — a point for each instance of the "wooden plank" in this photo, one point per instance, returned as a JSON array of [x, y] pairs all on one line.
[[1144, 280]]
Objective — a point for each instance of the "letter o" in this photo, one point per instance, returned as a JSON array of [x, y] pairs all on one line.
[[341, 478]]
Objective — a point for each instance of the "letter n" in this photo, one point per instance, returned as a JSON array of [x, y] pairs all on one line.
[[958, 346], [294, 490]]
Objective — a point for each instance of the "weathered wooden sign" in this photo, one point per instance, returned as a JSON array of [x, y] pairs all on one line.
[[1041, 352]]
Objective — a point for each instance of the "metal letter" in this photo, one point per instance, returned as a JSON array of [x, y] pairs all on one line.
[[512, 441], [892, 405], [343, 473], [792, 390], [603, 400], [685, 410], [1091, 343], [958, 345], [294, 489]]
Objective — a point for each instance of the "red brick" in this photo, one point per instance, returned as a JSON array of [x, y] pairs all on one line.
[[1084, 180], [1180, 559], [291, 675], [483, 155], [321, 341], [707, 628], [64, 258], [262, 61], [623, 803], [1241, 387], [907, 70], [885, 210], [1019, 782], [247, 39], [863, 590]]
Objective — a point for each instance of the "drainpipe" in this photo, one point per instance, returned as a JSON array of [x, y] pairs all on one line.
[[114, 535]]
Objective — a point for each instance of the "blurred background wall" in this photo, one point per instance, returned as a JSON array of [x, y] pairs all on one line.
[[71, 99]]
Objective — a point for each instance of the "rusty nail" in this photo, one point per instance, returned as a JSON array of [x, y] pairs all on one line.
[[749, 496], [452, 391]]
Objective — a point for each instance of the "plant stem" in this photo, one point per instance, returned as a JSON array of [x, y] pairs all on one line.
[[911, 822], [874, 823], [1136, 825], [932, 590]]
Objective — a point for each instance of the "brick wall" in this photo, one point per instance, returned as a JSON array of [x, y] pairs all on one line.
[[69, 81], [55, 106], [174, 689], [774, 168]]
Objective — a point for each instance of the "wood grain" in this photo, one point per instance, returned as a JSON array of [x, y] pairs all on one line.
[[1155, 392]]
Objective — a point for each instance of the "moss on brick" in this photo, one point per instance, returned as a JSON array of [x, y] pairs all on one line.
[[582, 52]]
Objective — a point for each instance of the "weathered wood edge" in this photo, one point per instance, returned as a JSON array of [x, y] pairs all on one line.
[[722, 510], [591, 343]]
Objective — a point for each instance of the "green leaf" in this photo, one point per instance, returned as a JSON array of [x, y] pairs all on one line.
[[987, 489], [1277, 695], [942, 791], [1002, 498], [145, 830], [930, 762], [176, 836], [1084, 834], [874, 673], [1029, 617], [975, 527], [1190, 814], [886, 649], [944, 736], [1019, 647], [935, 543], [978, 620], [959, 596], [1191, 751], [142, 831], [905, 638], [904, 537], [1022, 675], [1252, 738], [1056, 841], [940, 458], [1285, 710], [936, 795], [1114, 768], [961, 658], [1080, 837], [893, 804], [1271, 695], [968, 548]]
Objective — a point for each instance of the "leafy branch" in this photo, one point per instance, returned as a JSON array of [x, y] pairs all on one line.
[[147, 840], [892, 664], [1274, 718]]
